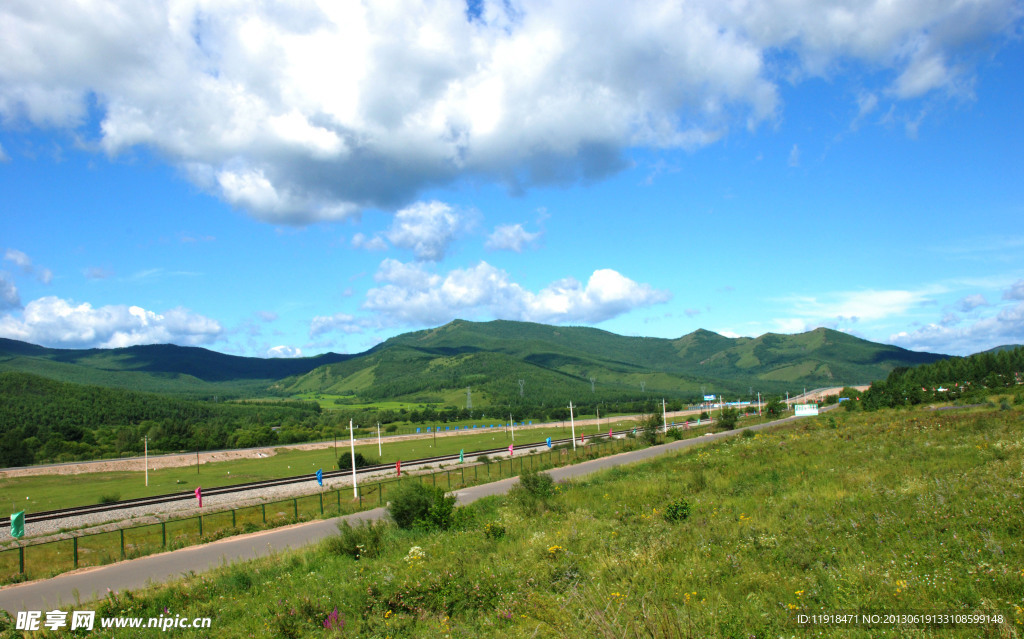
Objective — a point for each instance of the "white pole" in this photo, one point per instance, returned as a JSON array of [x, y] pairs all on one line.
[[758, 403], [352, 445], [572, 421], [664, 417], [146, 444], [513, 426], [379, 453]]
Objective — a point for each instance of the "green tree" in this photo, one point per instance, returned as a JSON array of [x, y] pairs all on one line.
[[727, 420]]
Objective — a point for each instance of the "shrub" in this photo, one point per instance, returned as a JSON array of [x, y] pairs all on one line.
[[416, 505], [110, 498], [391, 428], [365, 540], [537, 484], [748, 434], [532, 492], [362, 461], [494, 531], [678, 510], [675, 433], [483, 459], [727, 420]]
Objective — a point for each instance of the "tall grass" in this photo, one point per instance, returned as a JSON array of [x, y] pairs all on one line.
[[888, 512]]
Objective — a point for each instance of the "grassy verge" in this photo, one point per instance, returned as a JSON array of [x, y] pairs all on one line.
[[886, 512]]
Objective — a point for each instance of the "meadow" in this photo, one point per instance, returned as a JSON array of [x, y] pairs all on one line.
[[897, 511]]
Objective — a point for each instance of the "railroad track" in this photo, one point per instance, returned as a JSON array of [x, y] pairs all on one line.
[[49, 515]]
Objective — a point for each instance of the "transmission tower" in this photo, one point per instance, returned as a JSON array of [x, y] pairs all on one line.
[[469, 399], [522, 383], [591, 384], [643, 387]]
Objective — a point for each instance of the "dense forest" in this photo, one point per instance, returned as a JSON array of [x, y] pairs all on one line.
[[952, 379]]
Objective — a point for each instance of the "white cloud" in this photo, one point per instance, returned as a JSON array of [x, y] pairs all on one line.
[[9, 297], [410, 294], [315, 111], [338, 322], [97, 273], [427, 228], [856, 306], [24, 262], [510, 237], [52, 321], [971, 302], [3, 155], [284, 351], [1015, 292], [1005, 327], [267, 316], [794, 156], [376, 243]]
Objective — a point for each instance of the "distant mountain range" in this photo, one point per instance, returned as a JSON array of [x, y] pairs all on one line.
[[553, 362]]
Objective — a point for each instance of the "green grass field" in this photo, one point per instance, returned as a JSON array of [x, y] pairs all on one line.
[[889, 512], [50, 492]]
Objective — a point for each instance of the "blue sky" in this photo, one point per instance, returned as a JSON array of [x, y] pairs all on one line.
[[272, 181]]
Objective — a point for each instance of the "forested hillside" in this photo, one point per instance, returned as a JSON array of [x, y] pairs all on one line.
[[949, 379], [45, 420]]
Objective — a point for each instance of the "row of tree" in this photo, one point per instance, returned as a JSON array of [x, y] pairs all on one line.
[[950, 379]]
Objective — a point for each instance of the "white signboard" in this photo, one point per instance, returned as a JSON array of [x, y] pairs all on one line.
[[806, 410], [709, 398]]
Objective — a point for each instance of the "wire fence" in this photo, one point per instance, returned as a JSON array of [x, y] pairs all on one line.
[[46, 559]]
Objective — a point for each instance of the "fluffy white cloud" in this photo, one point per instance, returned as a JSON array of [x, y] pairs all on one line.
[[52, 321], [284, 351], [426, 228], [9, 297], [338, 322], [854, 306], [311, 111], [3, 155], [410, 294], [510, 237]]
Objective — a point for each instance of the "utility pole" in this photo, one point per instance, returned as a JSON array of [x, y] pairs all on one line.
[[572, 421], [352, 446], [664, 415], [379, 451], [758, 403], [145, 443]]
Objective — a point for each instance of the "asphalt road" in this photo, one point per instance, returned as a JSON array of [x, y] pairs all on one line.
[[93, 583]]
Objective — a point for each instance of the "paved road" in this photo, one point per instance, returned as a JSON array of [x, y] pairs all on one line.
[[93, 583]]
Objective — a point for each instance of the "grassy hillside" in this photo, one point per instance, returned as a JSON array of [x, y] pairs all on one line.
[[885, 512], [164, 368], [560, 361]]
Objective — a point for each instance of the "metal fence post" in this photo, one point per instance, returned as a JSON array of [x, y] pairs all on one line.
[[163, 533], [234, 521], [264, 513], [76, 553], [21, 559], [295, 507], [122, 542], [200, 525], [321, 503]]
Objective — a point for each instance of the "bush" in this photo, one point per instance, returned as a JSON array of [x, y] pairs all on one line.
[[727, 420], [494, 531], [391, 428], [483, 459], [362, 461], [537, 484], [110, 498], [416, 505], [675, 433], [678, 510], [748, 434], [366, 540], [532, 492], [651, 424]]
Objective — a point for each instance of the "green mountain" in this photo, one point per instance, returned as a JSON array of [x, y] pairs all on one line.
[[557, 363], [162, 368]]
